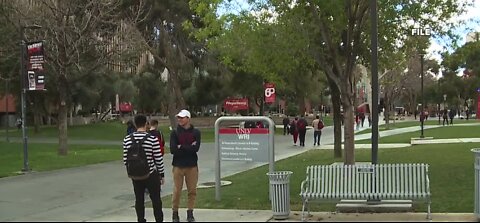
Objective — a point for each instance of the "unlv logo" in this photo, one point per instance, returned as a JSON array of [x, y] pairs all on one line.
[[243, 133]]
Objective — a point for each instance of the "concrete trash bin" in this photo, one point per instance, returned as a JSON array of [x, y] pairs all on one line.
[[280, 193], [477, 182]]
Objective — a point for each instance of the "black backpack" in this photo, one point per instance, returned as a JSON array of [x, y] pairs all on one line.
[[137, 163]]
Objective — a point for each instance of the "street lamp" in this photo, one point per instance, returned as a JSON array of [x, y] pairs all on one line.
[[375, 90], [423, 98], [23, 77]]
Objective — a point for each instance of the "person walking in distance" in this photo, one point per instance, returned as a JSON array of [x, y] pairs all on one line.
[[184, 145], [294, 130], [445, 116], [317, 130], [286, 121], [302, 130], [144, 163], [451, 115]]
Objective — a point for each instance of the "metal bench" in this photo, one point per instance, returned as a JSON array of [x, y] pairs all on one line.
[[366, 182]]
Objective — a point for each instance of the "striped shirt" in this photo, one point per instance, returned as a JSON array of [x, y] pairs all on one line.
[[152, 150]]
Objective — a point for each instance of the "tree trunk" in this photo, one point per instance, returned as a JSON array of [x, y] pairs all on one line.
[[386, 113], [337, 119], [349, 137], [62, 115]]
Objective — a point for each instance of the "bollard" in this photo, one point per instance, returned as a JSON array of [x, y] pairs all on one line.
[[280, 193], [477, 182]]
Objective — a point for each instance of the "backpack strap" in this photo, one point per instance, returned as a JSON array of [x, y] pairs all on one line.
[[141, 140]]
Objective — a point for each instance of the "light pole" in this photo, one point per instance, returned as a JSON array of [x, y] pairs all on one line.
[[23, 77], [375, 101], [423, 98]]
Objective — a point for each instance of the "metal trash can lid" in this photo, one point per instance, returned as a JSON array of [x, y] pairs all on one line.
[[476, 150], [279, 175], [282, 173]]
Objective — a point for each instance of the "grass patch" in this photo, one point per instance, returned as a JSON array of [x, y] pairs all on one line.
[[411, 124], [447, 132], [451, 182], [43, 157]]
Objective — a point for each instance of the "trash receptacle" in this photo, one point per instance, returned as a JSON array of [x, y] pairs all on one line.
[[477, 182], [280, 193]]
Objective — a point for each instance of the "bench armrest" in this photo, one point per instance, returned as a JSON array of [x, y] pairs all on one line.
[[304, 185]]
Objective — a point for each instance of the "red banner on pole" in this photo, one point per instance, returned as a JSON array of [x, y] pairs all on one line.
[[35, 69], [269, 93], [126, 107], [236, 104]]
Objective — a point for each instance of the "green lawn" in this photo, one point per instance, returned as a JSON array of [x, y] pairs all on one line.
[[451, 181], [413, 123], [446, 132], [43, 157]]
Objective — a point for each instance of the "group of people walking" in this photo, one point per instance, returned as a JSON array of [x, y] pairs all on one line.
[[298, 129], [143, 157]]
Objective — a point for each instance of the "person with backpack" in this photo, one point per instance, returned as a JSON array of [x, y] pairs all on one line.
[[302, 130], [184, 145], [294, 130], [317, 130], [144, 164]]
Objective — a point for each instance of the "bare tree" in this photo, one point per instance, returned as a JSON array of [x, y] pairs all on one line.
[[80, 36]]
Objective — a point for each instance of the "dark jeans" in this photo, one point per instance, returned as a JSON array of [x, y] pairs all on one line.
[[286, 130], [301, 136], [152, 183], [316, 137], [445, 120]]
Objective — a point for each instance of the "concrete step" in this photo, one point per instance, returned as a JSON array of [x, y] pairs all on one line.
[[364, 206]]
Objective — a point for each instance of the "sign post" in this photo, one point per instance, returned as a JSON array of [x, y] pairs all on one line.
[[243, 144]]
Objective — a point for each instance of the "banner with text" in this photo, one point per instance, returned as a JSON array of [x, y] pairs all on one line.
[[236, 104], [244, 144], [35, 68], [269, 93]]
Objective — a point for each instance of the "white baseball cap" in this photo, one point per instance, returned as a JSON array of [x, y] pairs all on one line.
[[183, 113]]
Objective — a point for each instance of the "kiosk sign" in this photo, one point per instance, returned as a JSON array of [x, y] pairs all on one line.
[[244, 144]]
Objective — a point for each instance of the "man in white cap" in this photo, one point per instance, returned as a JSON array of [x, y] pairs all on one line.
[[184, 145]]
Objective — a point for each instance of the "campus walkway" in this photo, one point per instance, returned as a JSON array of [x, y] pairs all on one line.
[[103, 192]]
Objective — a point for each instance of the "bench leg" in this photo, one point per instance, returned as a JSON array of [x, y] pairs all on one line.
[[429, 215], [305, 201]]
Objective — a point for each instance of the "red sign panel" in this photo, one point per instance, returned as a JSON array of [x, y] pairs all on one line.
[[126, 107], [35, 70], [269, 93], [236, 104]]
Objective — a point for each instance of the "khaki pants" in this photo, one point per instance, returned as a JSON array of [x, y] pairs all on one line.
[[190, 174]]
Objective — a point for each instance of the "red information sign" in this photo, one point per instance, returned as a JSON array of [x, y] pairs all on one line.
[[236, 104], [35, 71], [269, 93], [126, 107]]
